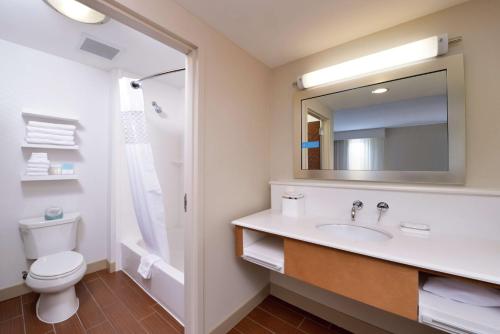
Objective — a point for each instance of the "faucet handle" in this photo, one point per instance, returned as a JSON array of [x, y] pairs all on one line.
[[382, 206]]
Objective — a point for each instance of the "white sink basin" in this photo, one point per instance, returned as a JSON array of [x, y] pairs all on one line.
[[354, 232]]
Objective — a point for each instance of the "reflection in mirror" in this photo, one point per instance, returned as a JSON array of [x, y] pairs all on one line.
[[399, 125]]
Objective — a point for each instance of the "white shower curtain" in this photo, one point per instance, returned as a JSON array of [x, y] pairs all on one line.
[[147, 196]]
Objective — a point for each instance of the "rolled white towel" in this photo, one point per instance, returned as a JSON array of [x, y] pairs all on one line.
[[49, 141], [37, 135], [50, 131], [36, 169], [52, 125]]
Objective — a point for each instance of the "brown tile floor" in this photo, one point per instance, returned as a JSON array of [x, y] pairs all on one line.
[[113, 303], [109, 303], [276, 316]]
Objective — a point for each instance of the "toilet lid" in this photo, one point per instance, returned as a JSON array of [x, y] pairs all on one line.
[[56, 264]]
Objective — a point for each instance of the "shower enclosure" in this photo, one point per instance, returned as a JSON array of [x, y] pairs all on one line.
[[148, 185]]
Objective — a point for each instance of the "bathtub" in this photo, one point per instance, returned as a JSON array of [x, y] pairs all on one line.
[[166, 285]]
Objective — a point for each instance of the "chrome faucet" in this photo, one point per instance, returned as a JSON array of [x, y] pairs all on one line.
[[382, 206], [356, 205]]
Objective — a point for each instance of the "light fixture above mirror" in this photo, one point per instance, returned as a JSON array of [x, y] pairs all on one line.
[[77, 11], [391, 58]]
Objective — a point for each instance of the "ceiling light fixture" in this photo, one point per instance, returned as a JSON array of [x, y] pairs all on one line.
[[375, 62], [77, 11], [380, 90]]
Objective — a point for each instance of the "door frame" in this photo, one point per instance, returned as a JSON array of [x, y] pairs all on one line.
[[193, 232]]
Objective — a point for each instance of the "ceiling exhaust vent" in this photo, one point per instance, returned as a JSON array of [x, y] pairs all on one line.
[[99, 49]]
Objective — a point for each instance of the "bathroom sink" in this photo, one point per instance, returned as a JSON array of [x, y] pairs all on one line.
[[354, 232]]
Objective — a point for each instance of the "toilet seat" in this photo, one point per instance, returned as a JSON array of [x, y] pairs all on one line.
[[56, 266]]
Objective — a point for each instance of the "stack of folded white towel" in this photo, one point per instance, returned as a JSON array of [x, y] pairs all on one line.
[[50, 133], [38, 165]]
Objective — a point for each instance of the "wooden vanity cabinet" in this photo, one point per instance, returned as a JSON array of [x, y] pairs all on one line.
[[386, 285]]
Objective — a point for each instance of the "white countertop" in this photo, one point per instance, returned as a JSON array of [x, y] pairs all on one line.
[[477, 259]]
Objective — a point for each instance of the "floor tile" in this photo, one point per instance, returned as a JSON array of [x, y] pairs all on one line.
[[101, 293], [168, 318], [121, 319], [137, 303], [154, 324], [104, 328], [12, 326], [30, 297], [282, 312], [88, 312], [90, 277], [10, 308], [234, 331], [70, 326], [312, 327], [31, 322], [109, 303], [272, 323], [248, 326]]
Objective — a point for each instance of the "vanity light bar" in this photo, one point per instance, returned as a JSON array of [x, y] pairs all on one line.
[[390, 58]]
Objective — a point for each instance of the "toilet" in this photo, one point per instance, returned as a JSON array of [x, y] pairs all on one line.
[[57, 268]]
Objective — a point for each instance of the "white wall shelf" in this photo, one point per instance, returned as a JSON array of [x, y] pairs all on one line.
[[50, 147], [35, 113], [26, 178]]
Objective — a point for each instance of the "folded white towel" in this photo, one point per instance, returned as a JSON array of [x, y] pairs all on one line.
[[38, 164], [146, 264], [37, 135], [467, 293], [50, 141], [39, 155], [52, 125], [37, 129], [37, 173], [36, 169]]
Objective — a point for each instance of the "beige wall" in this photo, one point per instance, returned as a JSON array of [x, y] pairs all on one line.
[[479, 24], [234, 143]]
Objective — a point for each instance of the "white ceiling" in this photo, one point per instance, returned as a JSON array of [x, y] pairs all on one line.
[[34, 24], [279, 31]]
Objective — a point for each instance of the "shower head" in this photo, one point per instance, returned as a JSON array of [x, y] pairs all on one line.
[[135, 84]]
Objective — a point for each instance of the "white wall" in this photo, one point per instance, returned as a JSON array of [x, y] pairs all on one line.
[[41, 81], [233, 160]]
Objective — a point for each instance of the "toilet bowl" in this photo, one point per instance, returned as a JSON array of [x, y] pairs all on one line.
[[54, 276]]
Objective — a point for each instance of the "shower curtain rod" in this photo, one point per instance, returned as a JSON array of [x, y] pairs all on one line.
[[137, 83]]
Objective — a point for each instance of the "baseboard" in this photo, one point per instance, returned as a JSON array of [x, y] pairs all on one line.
[[111, 266], [13, 291], [21, 288], [334, 316], [227, 324], [96, 266]]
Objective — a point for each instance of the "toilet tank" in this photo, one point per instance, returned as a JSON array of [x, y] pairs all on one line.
[[44, 237]]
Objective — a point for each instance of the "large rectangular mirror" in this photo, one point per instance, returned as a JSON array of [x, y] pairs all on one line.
[[406, 125]]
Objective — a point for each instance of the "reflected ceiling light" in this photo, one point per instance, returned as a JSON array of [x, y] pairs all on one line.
[[77, 11], [390, 58], [381, 90]]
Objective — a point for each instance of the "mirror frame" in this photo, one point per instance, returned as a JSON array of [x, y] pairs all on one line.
[[456, 125]]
